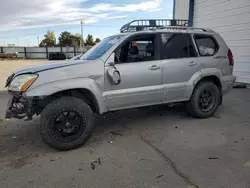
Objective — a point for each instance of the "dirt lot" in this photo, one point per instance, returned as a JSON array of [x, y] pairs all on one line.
[[148, 147]]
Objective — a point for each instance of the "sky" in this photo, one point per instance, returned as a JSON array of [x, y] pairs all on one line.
[[24, 22]]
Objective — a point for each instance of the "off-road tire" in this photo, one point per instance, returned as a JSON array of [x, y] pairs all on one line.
[[192, 105], [57, 106]]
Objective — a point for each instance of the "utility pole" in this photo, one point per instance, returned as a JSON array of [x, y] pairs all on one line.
[[81, 42], [38, 41]]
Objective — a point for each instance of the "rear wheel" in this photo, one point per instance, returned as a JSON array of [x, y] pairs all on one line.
[[66, 123], [204, 101]]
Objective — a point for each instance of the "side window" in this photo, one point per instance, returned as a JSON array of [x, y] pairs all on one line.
[[176, 46], [206, 45], [137, 49]]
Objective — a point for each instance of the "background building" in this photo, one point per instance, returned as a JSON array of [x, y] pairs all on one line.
[[230, 18]]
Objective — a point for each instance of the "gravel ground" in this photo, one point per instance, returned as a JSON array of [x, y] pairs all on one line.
[[145, 147]]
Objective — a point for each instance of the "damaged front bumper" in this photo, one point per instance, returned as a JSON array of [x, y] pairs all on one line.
[[19, 106]]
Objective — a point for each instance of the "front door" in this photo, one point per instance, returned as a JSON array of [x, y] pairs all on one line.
[[140, 73], [180, 63]]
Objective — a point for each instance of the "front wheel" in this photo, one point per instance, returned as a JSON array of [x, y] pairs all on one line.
[[204, 101], [66, 123]]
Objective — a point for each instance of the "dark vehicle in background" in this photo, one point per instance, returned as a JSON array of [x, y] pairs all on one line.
[[57, 56]]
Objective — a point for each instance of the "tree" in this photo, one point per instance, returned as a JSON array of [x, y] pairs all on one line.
[[97, 40], [68, 39], [42, 44], [90, 40], [49, 39], [76, 40], [65, 38]]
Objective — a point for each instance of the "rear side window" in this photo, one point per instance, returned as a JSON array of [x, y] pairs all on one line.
[[177, 46], [206, 45]]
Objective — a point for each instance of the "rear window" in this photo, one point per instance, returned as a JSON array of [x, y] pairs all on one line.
[[207, 46], [177, 46]]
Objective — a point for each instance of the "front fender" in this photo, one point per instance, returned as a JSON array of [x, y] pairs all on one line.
[[51, 88]]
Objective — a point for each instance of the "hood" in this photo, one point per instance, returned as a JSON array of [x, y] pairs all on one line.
[[47, 66], [43, 67]]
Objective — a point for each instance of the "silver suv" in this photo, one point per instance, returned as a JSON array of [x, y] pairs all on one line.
[[131, 69]]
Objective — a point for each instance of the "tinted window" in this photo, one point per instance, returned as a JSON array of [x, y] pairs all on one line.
[[206, 45], [136, 49], [177, 46]]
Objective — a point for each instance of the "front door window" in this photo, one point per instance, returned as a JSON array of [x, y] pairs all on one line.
[[137, 49]]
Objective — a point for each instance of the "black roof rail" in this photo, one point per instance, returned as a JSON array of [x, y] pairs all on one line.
[[188, 28], [151, 24]]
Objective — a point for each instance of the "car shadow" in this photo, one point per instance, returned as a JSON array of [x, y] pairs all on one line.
[[123, 122]]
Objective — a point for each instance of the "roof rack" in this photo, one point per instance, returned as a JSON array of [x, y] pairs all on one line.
[[188, 28], [142, 25]]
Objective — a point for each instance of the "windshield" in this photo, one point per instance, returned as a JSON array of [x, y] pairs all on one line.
[[101, 48]]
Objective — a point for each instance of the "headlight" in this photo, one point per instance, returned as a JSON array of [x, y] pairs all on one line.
[[22, 82]]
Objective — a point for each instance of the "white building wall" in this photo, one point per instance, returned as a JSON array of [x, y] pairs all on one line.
[[181, 9], [231, 19]]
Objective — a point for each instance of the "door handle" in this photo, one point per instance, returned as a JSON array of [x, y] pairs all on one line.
[[154, 67], [192, 63]]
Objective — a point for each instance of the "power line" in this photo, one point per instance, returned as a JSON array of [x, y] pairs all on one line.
[[35, 33], [74, 20], [89, 25]]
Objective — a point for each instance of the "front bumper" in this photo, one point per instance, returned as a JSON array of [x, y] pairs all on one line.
[[19, 107], [227, 83]]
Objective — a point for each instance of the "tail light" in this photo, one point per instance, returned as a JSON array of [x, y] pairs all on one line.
[[230, 57]]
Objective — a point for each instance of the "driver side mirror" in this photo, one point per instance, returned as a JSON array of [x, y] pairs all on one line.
[[114, 75], [111, 60]]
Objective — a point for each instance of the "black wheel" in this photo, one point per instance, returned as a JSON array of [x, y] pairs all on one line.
[[66, 123], [204, 101]]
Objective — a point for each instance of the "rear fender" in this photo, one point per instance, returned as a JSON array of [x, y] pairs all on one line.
[[200, 75]]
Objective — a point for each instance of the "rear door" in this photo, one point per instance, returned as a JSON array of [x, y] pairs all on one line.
[[179, 63]]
